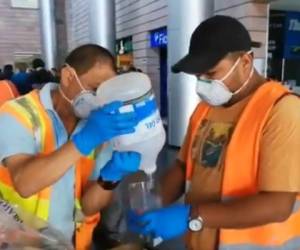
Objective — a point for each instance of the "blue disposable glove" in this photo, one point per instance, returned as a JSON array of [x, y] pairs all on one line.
[[102, 125], [120, 165], [167, 223]]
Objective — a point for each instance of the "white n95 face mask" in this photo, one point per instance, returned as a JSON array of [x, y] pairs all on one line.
[[83, 103], [215, 92]]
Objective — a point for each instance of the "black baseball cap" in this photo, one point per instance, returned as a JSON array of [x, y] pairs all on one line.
[[211, 41]]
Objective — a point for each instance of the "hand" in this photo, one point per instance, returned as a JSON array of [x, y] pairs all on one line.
[[167, 223], [120, 165], [102, 125]]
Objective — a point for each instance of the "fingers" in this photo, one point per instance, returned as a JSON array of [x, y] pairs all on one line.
[[124, 121], [117, 123], [149, 228], [135, 159], [132, 222], [123, 132], [128, 116], [129, 162], [146, 218], [112, 107], [141, 224], [129, 124]]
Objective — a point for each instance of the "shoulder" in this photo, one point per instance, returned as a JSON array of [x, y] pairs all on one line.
[[288, 106], [285, 115]]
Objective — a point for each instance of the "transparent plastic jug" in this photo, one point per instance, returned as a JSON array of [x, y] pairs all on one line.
[[135, 90]]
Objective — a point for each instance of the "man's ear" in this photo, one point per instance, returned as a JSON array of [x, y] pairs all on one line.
[[247, 60], [67, 76]]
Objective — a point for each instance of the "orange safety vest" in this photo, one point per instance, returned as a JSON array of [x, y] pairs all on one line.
[[8, 91], [243, 150], [29, 111]]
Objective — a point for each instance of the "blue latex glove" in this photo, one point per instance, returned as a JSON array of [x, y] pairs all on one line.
[[102, 125], [120, 165], [167, 223]]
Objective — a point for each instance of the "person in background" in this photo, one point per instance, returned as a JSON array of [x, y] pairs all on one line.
[[55, 74], [39, 75], [51, 141], [20, 79], [239, 163], [8, 71]]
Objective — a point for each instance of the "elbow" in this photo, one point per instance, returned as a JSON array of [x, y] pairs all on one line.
[[283, 213], [88, 212], [23, 193], [22, 189]]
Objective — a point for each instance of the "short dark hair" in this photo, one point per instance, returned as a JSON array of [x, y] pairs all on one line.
[[38, 63], [84, 57], [8, 67]]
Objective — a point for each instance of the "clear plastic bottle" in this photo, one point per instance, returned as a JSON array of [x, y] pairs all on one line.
[[135, 90]]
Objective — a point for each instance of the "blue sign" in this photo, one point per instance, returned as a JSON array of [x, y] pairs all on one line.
[[292, 36], [159, 38]]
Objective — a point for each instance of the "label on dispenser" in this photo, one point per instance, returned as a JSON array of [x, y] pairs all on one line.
[[150, 123]]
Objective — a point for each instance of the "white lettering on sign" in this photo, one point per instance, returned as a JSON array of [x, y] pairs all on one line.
[[160, 38], [294, 25]]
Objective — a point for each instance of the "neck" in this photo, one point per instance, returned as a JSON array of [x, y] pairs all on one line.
[[64, 110], [255, 82]]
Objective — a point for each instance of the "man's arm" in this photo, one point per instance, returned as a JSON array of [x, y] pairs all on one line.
[[120, 165], [256, 210], [95, 198], [31, 174], [173, 183]]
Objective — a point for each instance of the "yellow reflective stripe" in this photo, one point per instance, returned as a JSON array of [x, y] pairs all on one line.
[[77, 204], [38, 204], [22, 111], [37, 122], [34, 205], [92, 155], [78, 215], [41, 121]]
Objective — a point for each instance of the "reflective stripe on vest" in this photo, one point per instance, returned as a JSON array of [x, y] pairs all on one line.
[[241, 182], [29, 111], [26, 110]]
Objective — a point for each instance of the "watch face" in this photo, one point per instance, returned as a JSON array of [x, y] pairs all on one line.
[[195, 225]]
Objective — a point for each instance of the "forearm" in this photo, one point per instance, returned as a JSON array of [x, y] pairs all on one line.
[[95, 198], [40, 172], [257, 210], [172, 183]]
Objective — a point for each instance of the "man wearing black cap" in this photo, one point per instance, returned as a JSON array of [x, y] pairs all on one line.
[[239, 163]]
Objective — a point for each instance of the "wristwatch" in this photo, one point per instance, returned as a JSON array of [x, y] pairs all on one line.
[[107, 185], [196, 224]]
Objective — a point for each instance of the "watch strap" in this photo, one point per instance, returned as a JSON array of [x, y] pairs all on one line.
[[107, 185]]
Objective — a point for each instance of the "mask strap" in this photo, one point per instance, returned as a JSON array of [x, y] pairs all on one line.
[[77, 78], [231, 70], [246, 82], [249, 77], [234, 66], [249, 52], [64, 96]]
